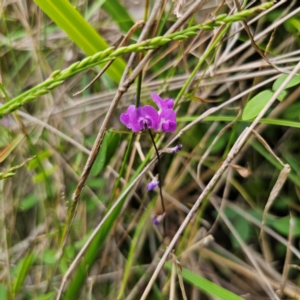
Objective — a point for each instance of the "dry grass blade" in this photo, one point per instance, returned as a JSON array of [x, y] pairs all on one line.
[[275, 191], [180, 278], [288, 256]]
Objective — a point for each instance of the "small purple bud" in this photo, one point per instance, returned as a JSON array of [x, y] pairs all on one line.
[[177, 148], [153, 184], [173, 150], [156, 220]]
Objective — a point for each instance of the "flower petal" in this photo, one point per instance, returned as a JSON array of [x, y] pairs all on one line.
[[162, 104], [152, 185], [167, 121], [137, 119], [151, 114], [169, 103], [159, 102], [125, 117]]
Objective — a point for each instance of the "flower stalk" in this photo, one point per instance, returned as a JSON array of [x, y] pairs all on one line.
[[159, 179]]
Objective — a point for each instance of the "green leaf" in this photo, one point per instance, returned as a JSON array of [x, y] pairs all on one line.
[[41, 175], [292, 25], [49, 257], [240, 224], [80, 31], [294, 81], [256, 104], [28, 202], [243, 229], [23, 270], [282, 95], [282, 225], [205, 285], [34, 163]]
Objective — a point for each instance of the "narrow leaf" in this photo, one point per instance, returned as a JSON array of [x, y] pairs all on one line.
[[206, 286], [79, 31], [22, 272]]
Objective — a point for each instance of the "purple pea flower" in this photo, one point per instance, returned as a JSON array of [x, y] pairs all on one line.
[[147, 117], [175, 149], [125, 118], [162, 104], [140, 118], [156, 220], [167, 120], [153, 184], [167, 116]]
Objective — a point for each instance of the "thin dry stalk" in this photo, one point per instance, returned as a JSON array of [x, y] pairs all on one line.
[[246, 271], [246, 27], [180, 277], [246, 45], [265, 283], [173, 282]]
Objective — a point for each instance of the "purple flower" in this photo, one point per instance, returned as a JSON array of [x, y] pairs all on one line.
[[140, 118], [162, 104], [167, 120], [173, 150], [147, 117], [125, 118], [153, 184], [167, 116], [156, 220]]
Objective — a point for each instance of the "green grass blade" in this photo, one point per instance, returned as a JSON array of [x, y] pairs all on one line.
[[212, 118], [79, 31], [22, 272], [206, 286]]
